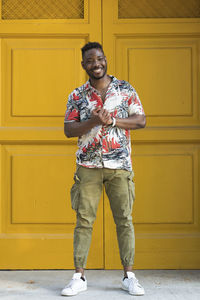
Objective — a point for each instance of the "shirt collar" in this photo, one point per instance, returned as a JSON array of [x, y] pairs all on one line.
[[114, 83]]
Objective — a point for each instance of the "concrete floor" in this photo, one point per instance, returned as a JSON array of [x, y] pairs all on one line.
[[158, 284]]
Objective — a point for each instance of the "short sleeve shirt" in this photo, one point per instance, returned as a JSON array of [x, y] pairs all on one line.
[[104, 146]]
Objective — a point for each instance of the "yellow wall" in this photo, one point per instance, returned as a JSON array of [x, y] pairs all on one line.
[[40, 66]]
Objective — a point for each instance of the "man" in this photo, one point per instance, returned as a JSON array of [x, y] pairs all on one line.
[[101, 114]]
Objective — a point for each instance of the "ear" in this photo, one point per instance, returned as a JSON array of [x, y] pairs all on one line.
[[82, 64]]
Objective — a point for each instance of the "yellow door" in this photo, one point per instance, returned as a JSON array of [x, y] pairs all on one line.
[[40, 66], [157, 51], [155, 45]]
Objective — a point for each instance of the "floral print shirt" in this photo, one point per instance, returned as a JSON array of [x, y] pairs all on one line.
[[104, 146]]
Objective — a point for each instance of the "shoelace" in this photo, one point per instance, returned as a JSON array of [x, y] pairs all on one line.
[[71, 282]]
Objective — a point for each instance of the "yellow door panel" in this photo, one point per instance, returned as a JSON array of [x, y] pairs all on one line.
[[44, 9], [37, 188], [40, 66], [37, 79], [163, 68], [37, 207], [165, 213], [40, 73], [165, 74], [160, 58], [168, 190]]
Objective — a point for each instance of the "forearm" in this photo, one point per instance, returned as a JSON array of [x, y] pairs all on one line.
[[132, 122], [75, 129]]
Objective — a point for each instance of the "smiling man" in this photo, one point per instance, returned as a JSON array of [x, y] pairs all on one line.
[[101, 114]]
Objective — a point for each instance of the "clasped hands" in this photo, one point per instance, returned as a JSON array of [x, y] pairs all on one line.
[[101, 116]]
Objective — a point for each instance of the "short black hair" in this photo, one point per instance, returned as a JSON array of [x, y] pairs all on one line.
[[91, 45]]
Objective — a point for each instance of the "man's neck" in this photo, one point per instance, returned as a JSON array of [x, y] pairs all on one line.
[[100, 84]]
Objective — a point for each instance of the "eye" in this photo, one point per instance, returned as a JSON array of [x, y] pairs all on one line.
[[91, 61]]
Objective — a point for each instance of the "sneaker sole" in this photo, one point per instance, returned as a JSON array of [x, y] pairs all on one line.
[[134, 294], [68, 295]]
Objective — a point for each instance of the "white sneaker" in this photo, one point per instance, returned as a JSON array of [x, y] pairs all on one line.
[[75, 286], [132, 285]]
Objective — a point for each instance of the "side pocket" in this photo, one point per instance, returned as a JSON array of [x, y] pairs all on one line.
[[131, 187], [75, 192]]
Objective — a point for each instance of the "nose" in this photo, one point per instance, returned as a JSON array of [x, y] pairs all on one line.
[[95, 63]]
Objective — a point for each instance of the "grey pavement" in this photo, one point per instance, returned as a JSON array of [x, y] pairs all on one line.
[[102, 284]]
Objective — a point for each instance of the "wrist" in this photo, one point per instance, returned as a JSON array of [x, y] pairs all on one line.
[[94, 122]]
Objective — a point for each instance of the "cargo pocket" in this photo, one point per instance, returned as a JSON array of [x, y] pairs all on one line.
[[131, 188], [75, 192]]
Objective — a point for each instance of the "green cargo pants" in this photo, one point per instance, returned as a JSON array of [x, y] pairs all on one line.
[[85, 196]]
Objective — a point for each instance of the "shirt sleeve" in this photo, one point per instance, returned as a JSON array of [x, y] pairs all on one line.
[[134, 103], [72, 112]]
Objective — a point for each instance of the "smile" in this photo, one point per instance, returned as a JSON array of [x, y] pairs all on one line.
[[96, 71]]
